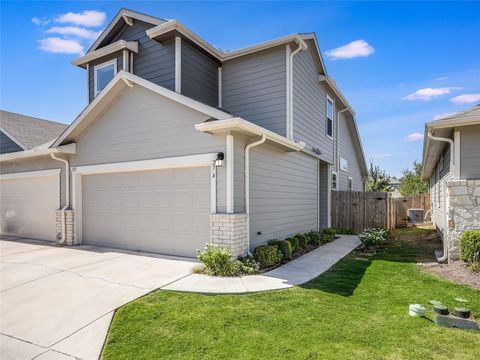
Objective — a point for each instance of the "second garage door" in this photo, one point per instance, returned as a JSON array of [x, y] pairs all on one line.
[[161, 211]]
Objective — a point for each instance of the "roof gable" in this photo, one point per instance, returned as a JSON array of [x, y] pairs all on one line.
[[117, 25]]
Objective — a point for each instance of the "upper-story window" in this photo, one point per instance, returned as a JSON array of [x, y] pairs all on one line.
[[103, 73], [329, 117]]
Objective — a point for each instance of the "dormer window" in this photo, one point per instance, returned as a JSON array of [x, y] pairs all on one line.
[[103, 73]]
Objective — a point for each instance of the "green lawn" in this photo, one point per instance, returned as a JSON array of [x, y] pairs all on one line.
[[358, 309]]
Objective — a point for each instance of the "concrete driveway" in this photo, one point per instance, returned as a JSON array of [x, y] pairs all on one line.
[[57, 302]]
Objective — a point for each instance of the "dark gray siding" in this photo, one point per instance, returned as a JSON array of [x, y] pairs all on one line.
[[470, 152], [254, 87], [91, 81], [154, 62], [199, 75], [7, 145], [309, 105], [347, 150]]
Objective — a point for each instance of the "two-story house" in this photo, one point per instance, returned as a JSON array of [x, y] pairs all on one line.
[[182, 144]]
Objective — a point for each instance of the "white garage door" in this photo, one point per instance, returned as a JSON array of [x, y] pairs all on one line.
[[161, 211], [29, 203]]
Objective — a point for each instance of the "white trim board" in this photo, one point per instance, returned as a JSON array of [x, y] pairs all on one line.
[[107, 50], [30, 174], [105, 64], [230, 174]]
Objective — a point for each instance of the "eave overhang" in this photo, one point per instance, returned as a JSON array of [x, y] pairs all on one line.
[[107, 50]]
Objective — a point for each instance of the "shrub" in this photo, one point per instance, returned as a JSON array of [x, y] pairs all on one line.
[[284, 246], [295, 243], [328, 231], [470, 248], [217, 261], [267, 256], [326, 237], [302, 240], [342, 231], [374, 236], [314, 237], [248, 265]]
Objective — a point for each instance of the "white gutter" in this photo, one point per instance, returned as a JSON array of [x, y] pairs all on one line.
[[452, 165], [247, 184], [40, 151], [67, 196], [301, 47], [337, 148]]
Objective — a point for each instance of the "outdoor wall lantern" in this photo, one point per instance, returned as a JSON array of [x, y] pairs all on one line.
[[219, 159]]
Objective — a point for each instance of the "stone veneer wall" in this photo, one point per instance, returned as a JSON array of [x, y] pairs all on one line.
[[70, 225], [463, 212], [230, 231]]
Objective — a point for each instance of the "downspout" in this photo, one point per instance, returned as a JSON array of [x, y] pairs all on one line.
[[67, 197], [301, 46], [452, 164], [337, 148], [247, 185]]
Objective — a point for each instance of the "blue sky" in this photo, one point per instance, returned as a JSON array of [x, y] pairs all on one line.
[[416, 61]]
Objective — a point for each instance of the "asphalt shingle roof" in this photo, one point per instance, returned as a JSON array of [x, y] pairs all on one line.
[[30, 131]]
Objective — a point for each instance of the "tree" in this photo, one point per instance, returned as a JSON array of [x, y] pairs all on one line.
[[411, 182], [378, 180]]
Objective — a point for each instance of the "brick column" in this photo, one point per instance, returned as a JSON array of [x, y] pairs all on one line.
[[70, 226], [463, 212], [230, 231]]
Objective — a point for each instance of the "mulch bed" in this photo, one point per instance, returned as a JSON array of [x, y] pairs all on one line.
[[457, 272]]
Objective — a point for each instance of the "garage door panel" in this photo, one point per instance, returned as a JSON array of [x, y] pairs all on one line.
[[163, 211], [28, 207]]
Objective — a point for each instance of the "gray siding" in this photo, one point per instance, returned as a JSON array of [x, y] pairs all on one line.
[[323, 186], [438, 189], [142, 125], [199, 75], [283, 194], [7, 145], [309, 106], [347, 151], [254, 87], [154, 62], [470, 152]]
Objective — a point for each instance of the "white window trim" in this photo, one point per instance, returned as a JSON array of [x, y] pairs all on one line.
[[327, 117], [336, 180], [188, 161], [101, 66], [340, 164]]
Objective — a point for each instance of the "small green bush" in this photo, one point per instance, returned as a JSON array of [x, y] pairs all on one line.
[[374, 236], [326, 237], [284, 246], [329, 231], [302, 240], [342, 231], [295, 243], [470, 248], [248, 265], [217, 261], [267, 256], [314, 237]]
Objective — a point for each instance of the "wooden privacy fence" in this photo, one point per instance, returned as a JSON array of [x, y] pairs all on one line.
[[361, 210]]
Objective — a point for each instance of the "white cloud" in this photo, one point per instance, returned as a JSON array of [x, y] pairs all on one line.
[[441, 78], [40, 22], [465, 99], [441, 116], [90, 18], [357, 48], [427, 93], [58, 45], [413, 137], [75, 31]]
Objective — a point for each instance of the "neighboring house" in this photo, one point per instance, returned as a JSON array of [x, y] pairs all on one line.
[[20, 132], [394, 185], [451, 163], [184, 144]]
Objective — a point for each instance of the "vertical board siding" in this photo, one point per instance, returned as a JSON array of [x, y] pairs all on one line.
[[199, 75], [254, 87], [347, 150], [470, 152], [283, 194], [309, 106], [154, 62], [7, 145]]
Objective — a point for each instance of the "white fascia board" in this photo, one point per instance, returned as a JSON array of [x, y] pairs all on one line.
[[246, 127], [262, 46], [145, 165], [30, 174], [11, 137], [65, 149], [123, 78], [120, 16], [107, 50], [450, 123]]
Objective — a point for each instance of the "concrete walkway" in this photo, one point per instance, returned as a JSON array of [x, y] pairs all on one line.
[[296, 272]]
